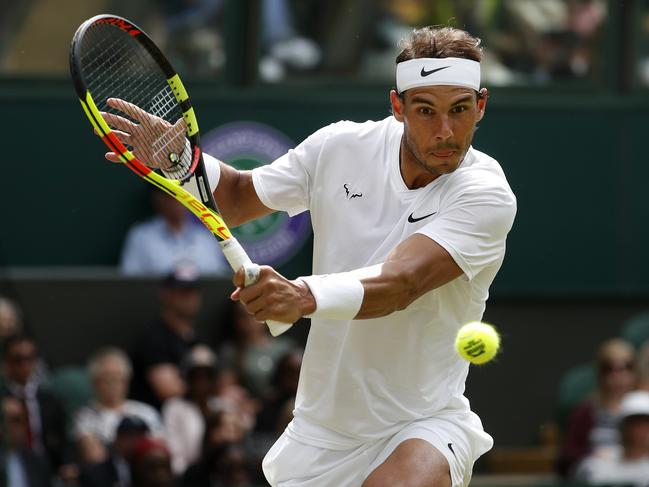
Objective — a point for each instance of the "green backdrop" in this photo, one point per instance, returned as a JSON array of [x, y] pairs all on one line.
[[576, 161]]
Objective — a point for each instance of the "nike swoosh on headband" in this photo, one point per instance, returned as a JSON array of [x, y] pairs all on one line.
[[426, 73]]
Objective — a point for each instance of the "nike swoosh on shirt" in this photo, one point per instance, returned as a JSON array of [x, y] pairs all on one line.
[[425, 73], [412, 219], [450, 447]]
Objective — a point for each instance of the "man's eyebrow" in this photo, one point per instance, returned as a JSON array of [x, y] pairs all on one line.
[[463, 99], [421, 99]]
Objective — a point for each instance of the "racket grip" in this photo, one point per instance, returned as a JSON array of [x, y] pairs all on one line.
[[237, 258]]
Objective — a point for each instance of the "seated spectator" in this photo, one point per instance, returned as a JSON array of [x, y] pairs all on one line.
[[277, 409], [184, 417], [46, 417], [253, 353], [20, 465], [642, 367], [96, 424], [115, 471], [151, 463], [222, 430], [10, 319], [233, 397], [168, 239], [162, 346], [592, 426], [628, 464]]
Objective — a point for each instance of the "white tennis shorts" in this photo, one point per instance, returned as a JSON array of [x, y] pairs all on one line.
[[458, 436]]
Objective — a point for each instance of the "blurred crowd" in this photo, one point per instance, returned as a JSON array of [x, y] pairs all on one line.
[[527, 42], [605, 417], [172, 410]]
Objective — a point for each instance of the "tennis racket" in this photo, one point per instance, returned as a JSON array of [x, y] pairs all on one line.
[[139, 107]]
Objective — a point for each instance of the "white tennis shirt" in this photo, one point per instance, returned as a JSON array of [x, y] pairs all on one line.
[[363, 380]]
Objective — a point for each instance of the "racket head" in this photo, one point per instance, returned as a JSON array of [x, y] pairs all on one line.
[[111, 58]]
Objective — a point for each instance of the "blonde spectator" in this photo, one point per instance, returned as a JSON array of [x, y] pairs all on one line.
[[10, 318], [95, 425]]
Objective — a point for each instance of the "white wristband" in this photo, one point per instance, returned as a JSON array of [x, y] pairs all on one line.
[[337, 296], [213, 171]]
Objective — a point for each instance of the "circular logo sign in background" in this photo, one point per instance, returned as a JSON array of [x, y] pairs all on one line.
[[275, 238]]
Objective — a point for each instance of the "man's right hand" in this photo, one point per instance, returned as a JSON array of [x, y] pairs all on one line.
[[152, 138]]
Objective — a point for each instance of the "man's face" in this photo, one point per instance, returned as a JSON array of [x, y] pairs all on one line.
[[439, 123], [20, 361]]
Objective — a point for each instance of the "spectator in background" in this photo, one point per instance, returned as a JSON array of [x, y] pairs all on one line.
[[184, 417], [592, 426], [252, 353], [162, 346], [277, 409], [628, 463], [20, 465], [46, 418], [169, 238], [10, 319], [222, 430], [115, 471], [96, 424], [151, 463], [642, 367]]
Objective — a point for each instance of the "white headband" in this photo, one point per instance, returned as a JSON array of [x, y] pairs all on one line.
[[451, 71]]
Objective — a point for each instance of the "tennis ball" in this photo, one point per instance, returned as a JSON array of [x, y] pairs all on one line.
[[477, 342]]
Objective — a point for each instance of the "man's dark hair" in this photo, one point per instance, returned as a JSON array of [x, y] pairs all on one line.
[[440, 42]]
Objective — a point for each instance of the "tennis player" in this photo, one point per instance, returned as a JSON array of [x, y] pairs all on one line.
[[409, 224], [409, 228]]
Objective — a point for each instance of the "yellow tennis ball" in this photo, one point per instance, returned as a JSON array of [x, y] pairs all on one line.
[[477, 342]]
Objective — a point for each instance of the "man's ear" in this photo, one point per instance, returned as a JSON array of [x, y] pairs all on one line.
[[397, 105], [482, 103]]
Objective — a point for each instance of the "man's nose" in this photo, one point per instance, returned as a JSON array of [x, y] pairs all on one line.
[[443, 129]]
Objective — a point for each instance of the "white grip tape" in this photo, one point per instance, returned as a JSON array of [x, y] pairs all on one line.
[[237, 258], [234, 254]]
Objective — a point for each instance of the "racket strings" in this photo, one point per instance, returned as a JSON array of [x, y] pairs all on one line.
[[115, 65]]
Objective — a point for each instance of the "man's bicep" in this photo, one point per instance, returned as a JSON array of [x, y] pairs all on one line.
[[237, 198]]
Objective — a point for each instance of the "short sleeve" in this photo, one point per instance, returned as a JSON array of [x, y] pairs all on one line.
[[286, 183], [473, 221]]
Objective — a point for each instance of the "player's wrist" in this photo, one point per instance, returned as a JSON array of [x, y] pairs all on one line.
[[336, 296], [307, 303]]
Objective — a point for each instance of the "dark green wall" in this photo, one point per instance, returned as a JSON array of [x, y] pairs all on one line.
[[577, 163]]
